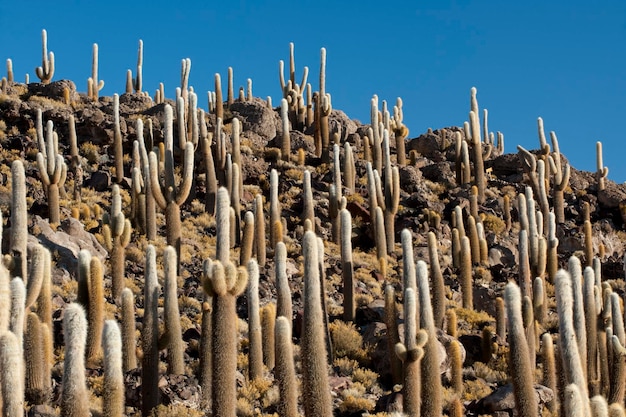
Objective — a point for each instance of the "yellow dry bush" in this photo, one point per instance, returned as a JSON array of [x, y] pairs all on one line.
[[347, 341], [175, 410], [494, 224]]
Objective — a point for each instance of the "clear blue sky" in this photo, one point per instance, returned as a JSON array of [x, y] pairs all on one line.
[[562, 60]]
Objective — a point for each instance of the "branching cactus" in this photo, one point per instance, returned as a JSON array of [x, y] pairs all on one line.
[[224, 285], [117, 232], [52, 171], [12, 381], [432, 401], [400, 131], [411, 353], [93, 84], [113, 390], [46, 70], [318, 401], [171, 196], [74, 394]]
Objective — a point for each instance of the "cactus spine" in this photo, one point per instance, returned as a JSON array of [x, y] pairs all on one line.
[[74, 394]]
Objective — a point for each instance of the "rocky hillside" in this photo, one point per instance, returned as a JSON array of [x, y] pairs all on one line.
[[381, 200]]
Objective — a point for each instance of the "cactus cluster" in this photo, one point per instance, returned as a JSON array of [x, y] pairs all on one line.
[[269, 279]]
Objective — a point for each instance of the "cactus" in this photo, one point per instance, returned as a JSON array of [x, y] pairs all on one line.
[[561, 180], [46, 70], [601, 171], [568, 347], [268, 322], [283, 292], [456, 367], [175, 344], [117, 232], [431, 380], [94, 85], [12, 381], [224, 285], [52, 171], [172, 196], [465, 272], [438, 286], [150, 336], [255, 354], [275, 208], [205, 365], [400, 131], [284, 371], [74, 394], [591, 329], [411, 353], [16, 321], [479, 167], [308, 212], [285, 143], [247, 240], [259, 230], [349, 305], [129, 357], [520, 366], [113, 390], [317, 402], [393, 337], [95, 312], [37, 369]]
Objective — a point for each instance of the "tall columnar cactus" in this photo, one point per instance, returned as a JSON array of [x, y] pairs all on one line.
[[12, 380], [46, 70], [576, 275], [520, 366], [93, 84], [95, 312], [255, 355], [432, 401], [400, 131], [74, 394], [285, 143], [275, 208], [465, 274], [591, 329], [479, 166], [259, 231], [37, 368], [113, 390], [285, 370], [129, 342], [601, 171], [150, 336], [561, 180], [175, 344], [172, 196], [138, 81], [318, 401], [347, 272], [393, 336], [323, 108], [118, 142], [224, 285], [283, 291], [568, 346], [52, 171], [18, 297], [438, 286], [117, 232], [411, 353], [308, 211], [247, 240], [268, 322]]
